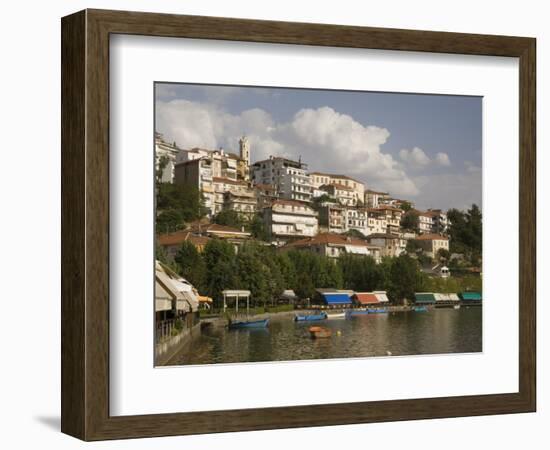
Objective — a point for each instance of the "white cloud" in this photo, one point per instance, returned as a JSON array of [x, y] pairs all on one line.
[[417, 158], [442, 159], [325, 139]]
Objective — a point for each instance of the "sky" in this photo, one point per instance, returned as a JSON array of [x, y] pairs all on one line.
[[424, 148]]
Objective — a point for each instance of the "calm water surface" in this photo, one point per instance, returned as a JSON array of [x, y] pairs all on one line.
[[401, 333]]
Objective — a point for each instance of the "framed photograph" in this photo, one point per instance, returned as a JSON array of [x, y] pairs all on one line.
[[273, 225]]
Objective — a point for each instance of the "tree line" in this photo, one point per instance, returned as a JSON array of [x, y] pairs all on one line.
[[267, 272]]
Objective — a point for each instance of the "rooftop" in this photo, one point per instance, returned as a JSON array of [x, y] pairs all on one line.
[[329, 239], [179, 237], [332, 175], [431, 237]]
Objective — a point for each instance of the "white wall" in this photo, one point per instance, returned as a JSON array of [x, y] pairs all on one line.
[[30, 240]]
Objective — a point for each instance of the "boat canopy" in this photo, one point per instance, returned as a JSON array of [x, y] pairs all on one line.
[[336, 298], [424, 297], [471, 296]]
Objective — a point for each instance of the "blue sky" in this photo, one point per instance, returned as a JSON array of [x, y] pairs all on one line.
[[426, 148]]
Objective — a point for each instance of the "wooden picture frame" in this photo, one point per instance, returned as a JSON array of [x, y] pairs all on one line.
[[85, 224]]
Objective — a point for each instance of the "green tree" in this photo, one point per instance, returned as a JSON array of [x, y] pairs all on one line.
[[177, 204], [403, 275], [409, 221], [229, 218], [258, 229], [219, 257], [162, 163], [191, 265]]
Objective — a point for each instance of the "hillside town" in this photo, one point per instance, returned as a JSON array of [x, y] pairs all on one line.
[[238, 206]]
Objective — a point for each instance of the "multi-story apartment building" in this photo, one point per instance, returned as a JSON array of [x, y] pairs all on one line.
[[166, 153], [198, 173], [319, 179], [391, 245], [289, 177], [332, 218], [357, 219], [222, 186], [343, 194], [425, 221], [335, 245], [242, 202], [440, 222], [287, 219], [431, 243], [265, 195], [373, 198], [392, 215], [376, 222]]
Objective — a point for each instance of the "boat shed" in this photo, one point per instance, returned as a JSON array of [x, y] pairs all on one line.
[[382, 296], [365, 298], [424, 298], [474, 297], [335, 297]]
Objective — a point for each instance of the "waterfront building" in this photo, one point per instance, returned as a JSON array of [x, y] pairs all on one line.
[[166, 153], [390, 244], [431, 243], [375, 298], [171, 242], [335, 245], [290, 219], [289, 177], [373, 198], [333, 297], [319, 179]]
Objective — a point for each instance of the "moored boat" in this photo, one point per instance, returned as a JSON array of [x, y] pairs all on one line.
[[377, 310], [248, 324], [336, 315], [358, 312], [309, 317], [320, 332], [420, 309]]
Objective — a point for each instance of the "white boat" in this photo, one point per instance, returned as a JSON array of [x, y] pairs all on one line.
[[456, 306], [336, 315]]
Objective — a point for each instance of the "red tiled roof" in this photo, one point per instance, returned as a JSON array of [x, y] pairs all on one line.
[[179, 237], [365, 298], [328, 238], [431, 237]]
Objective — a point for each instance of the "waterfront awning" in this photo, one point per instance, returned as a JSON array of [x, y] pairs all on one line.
[[454, 297], [356, 250], [424, 297], [471, 296], [163, 300], [441, 297], [288, 294], [381, 296], [205, 299], [336, 298], [365, 298]]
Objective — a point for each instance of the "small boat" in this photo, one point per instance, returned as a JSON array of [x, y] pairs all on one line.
[[248, 324], [456, 306], [420, 309], [319, 332], [358, 312], [378, 310], [336, 315], [309, 317]]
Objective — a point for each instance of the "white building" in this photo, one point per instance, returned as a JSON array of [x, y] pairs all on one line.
[[286, 219], [319, 179], [356, 219], [343, 194], [166, 153], [432, 243], [289, 177], [373, 198], [390, 244]]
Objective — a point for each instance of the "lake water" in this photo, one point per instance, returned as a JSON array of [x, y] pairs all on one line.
[[401, 333]]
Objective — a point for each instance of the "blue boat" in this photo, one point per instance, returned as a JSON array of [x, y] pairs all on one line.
[[378, 311], [358, 312], [420, 309], [248, 324], [309, 317]]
